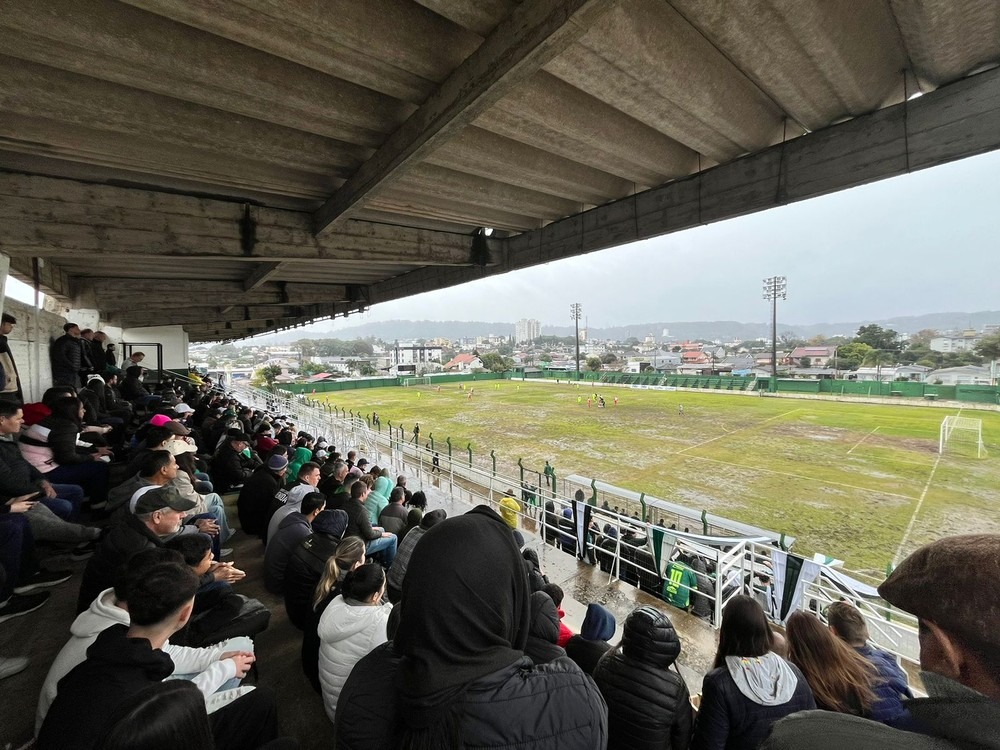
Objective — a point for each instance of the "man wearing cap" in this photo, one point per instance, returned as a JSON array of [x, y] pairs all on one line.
[[10, 383], [951, 587], [157, 513], [230, 466], [286, 503], [258, 492]]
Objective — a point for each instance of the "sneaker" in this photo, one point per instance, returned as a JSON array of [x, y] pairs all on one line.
[[22, 605], [11, 665], [43, 579]]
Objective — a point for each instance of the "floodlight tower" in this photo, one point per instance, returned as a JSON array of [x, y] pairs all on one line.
[[775, 288], [575, 312]]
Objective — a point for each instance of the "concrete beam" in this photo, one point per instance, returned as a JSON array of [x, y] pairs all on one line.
[[263, 272], [45, 216], [532, 35], [953, 122], [157, 294]]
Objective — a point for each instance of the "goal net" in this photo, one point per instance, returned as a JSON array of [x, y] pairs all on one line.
[[425, 380], [964, 431]]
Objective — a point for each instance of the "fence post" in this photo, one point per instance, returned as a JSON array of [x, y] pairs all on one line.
[[520, 465], [642, 506], [469, 448], [593, 496], [704, 522], [493, 455], [448, 441]]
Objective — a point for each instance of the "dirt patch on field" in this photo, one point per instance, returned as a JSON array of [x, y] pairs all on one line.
[[917, 445], [811, 432]]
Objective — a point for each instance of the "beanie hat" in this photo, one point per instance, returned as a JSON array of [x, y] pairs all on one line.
[[277, 462]]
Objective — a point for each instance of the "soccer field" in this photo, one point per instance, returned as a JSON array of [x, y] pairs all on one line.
[[860, 482]]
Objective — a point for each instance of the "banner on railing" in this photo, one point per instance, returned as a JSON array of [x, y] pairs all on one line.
[[791, 574]]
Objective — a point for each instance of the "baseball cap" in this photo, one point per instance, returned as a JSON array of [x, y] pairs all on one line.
[[321, 454], [159, 498], [183, 408], [362, 462], [159, 420], [237, 435], [177, 447]]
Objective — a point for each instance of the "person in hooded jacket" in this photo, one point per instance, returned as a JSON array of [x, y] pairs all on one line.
[[258, 492], [378, 499], [455, 674], [544, 632], [306, 563], [749, 687], [648, 704], [353, 624], [347, 556], [588, 646]]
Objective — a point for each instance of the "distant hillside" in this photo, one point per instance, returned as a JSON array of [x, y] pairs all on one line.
[[726, 330]]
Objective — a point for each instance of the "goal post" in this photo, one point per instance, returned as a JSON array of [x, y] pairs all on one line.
[[424, 380], [962, 430]]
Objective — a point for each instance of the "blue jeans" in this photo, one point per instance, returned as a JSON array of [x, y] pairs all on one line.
[[71, 493], [92, 476], [62, 508], [385, 545]]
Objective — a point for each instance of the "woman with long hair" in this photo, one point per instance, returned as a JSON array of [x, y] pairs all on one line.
[[841, 679], [455, 674], [350, 554], [749, 687], [353, 624], [51, 447]]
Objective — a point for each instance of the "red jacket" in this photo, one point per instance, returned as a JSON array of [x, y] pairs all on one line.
[[564, 632]]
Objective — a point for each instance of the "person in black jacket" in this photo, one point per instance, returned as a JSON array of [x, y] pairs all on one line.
[[230, 468], [377, 540], [257, 493], [306, 564], [591, 643], [750, 687], [541, 647], [456, 674], [66, 355], [648, 704], [125, 659]]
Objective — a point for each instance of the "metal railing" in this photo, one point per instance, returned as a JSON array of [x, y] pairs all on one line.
[[738, 565]]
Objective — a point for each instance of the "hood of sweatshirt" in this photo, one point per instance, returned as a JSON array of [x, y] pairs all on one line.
[[114, 649], [766, 680], [598, 623], [101, 614]]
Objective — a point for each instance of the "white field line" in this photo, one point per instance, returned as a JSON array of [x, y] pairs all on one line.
[[916, 511], [733, 432], [862, 440], [803, 476]]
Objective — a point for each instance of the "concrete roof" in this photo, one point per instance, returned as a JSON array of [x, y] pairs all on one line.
[[281, 161]]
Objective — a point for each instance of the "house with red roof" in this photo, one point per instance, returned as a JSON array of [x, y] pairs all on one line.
[[464, 363]]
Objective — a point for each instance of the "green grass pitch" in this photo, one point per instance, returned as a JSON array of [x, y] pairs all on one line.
[[861, 482]]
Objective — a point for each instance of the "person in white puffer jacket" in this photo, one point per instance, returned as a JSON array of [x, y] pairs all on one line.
[[216, 670], [353, 625]]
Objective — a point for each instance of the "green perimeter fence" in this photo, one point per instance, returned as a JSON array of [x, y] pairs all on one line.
[[979, 394]]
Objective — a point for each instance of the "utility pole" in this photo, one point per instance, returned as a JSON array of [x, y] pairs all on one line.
[[775, 288], [575, 311]]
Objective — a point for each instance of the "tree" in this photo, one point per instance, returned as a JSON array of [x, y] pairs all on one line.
[[805, 362], [878, 337], [545, 357], [607, 358], [989, 346], [878, 358], [850, 356], [495, 362], [922, 337], [267, 375], [307, 369], [594, 363]]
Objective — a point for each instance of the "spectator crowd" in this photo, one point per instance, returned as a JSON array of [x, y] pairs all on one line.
[[417, 630]]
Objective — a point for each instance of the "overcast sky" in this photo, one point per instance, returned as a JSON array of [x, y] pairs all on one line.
[[921, 243]]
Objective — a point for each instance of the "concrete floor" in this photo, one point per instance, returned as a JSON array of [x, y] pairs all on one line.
[[41, 635]]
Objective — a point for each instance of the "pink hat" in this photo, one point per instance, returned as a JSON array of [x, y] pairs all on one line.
[[159, 420]]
